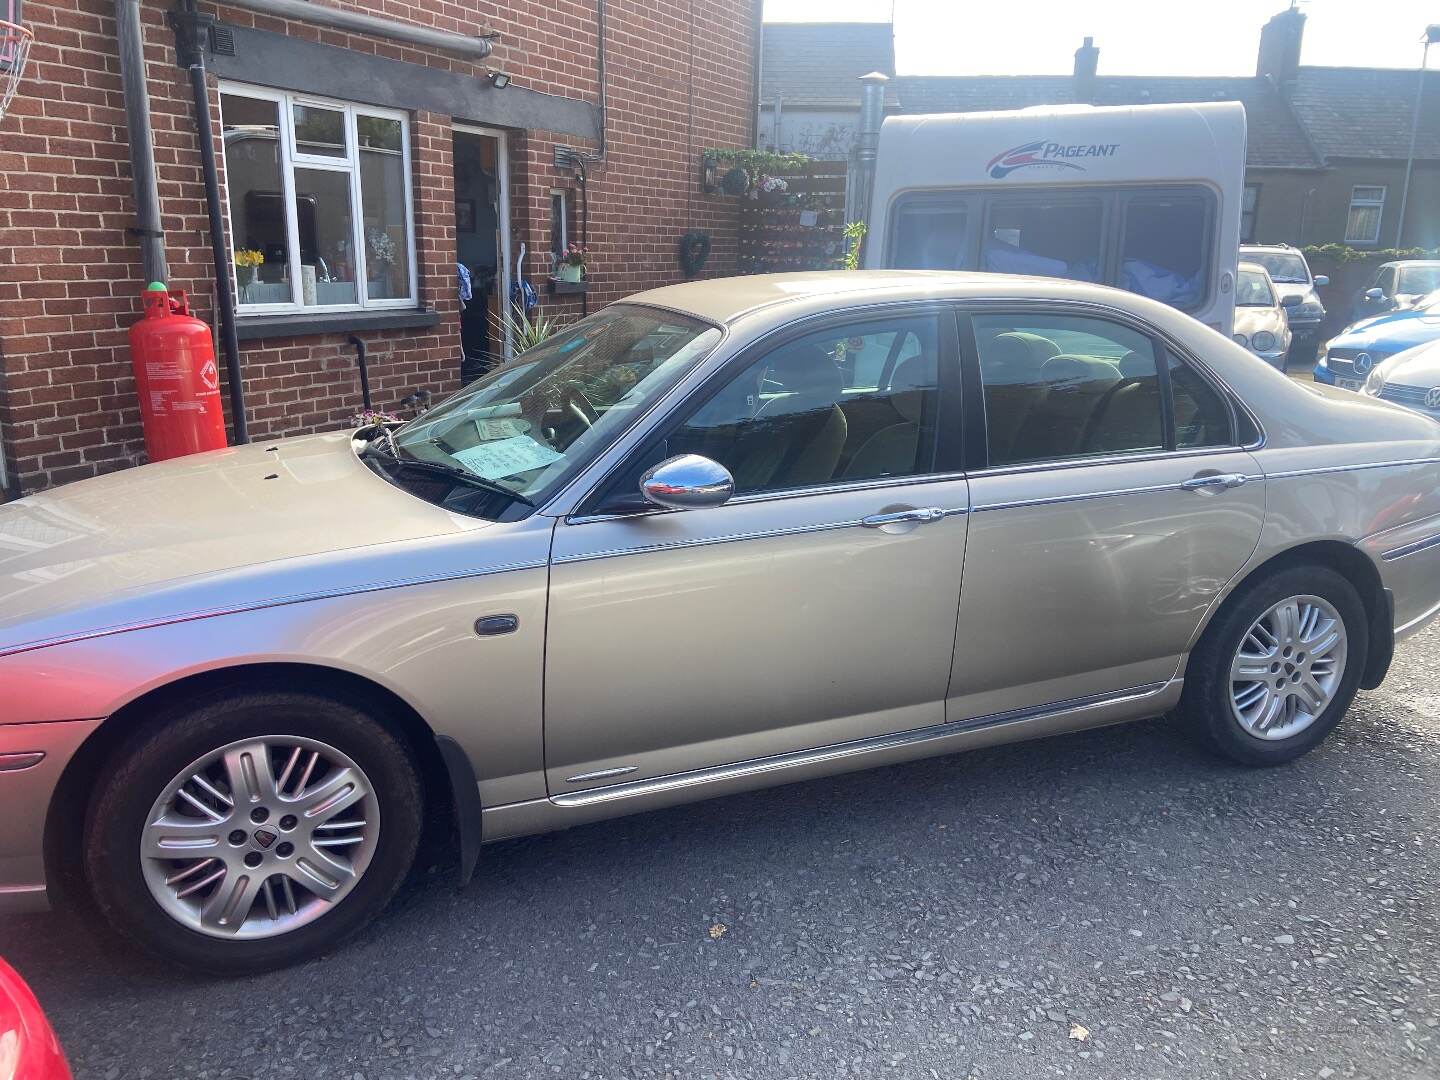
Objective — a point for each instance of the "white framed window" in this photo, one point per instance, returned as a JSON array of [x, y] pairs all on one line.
[[559, 224], [1367, 203], [321, 204]]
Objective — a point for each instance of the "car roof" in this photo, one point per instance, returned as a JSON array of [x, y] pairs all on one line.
[[1411, 262], [1254, 268], [725, 300]]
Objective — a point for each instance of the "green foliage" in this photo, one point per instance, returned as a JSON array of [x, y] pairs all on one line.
[[1344, 253], [758, 161], [526, 330], [854, 237]]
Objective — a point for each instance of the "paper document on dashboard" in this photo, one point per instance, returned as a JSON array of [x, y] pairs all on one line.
[[506, 457]]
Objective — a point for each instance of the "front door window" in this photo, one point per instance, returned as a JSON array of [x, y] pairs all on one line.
[[857, 402]]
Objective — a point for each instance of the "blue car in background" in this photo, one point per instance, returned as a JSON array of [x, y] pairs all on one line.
[[1348, 358]]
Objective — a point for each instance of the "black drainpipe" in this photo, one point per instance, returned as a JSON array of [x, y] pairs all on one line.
[[192, 30], [364, 371]]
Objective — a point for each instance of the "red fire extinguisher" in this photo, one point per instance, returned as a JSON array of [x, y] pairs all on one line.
[[175, 378]]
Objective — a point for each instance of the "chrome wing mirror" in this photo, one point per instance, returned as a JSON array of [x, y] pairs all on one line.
[[687, 482]]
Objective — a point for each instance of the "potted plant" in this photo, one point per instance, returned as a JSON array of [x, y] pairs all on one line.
[[380, 256], [247, 263], [769, 190], [571, 266]]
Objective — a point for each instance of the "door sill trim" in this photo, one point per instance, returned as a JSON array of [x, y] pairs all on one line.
[[838, 751]]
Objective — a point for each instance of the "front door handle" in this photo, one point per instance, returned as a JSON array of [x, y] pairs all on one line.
[[1214, 482], [922, 515]]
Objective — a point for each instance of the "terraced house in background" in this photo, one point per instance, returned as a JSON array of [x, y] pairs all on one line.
[[361, 152], [1327, 145]]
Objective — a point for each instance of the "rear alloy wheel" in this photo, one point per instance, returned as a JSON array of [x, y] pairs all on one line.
[[253, 831], [1278, 667]]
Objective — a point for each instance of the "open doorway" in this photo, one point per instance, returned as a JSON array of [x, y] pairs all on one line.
[[482, 239]]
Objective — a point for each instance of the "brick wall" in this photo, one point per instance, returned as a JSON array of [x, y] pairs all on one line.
[[679, 81]]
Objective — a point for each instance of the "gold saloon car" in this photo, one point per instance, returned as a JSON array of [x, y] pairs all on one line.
[[718, 536]]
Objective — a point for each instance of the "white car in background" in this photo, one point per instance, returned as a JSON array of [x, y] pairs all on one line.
[[1290, 274], [1410, 378], [1261, 323]]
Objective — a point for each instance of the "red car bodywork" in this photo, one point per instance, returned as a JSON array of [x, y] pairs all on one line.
[[29, 1049]]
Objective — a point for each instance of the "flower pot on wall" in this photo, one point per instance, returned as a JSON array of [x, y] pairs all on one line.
[[569, 272]]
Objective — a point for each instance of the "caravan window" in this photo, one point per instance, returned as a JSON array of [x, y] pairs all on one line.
[[930, 234], [1163, 255], [1045, 237]]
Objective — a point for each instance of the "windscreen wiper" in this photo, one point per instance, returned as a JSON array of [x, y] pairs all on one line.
[[451, 472]]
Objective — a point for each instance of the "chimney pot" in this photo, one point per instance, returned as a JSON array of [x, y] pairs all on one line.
[[1087, 63]]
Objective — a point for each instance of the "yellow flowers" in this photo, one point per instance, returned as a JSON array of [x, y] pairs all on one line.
[[246, 258]]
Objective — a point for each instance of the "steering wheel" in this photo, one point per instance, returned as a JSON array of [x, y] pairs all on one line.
[[578, 405]]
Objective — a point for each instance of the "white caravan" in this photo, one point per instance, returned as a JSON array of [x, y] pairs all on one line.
[[1146, 198]]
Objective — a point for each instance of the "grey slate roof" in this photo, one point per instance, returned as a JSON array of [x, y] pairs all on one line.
[[1275, 136], [818, 65], [1367, 112]]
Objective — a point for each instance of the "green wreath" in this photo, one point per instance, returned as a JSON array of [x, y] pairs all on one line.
[[694, 250]]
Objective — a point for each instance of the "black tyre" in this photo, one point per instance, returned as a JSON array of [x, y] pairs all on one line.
[[1278, 667], [252, 831]]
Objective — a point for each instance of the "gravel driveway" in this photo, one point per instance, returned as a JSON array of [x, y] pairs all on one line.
[[1109, 904]]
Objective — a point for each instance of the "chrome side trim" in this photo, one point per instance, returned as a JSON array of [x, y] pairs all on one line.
[[725, 538], [854, 748], [1054, 500], [601, 774], [21, 760], [876, 484], [260, 605], [1410, 549], [1324, 469]]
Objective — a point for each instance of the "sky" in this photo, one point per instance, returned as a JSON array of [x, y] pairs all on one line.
[[1135, 37]]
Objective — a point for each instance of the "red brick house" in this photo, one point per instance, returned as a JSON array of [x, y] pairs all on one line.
[[360, 164]]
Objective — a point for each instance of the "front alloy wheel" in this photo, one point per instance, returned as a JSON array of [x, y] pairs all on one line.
[[251, 830], [260, 837]]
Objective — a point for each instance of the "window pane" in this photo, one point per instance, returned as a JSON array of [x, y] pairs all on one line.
[[1059, 386], [327, 230], [788, 421], [1201, 416], [382, 195], [559, 237], [1165, 248], [320, 132], [1051, 239], [257, 202], [1368, 194], [1364, 225], [930, 236], [379, 133]]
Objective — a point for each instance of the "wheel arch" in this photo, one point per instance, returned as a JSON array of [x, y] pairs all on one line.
[[1357, 568], [452, 804]]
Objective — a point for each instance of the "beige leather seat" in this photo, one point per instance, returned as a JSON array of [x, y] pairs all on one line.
[[796, 437], [1128, 416], [1010, 366], [892, 450]]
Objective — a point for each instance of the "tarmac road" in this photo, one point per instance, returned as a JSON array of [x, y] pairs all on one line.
[[944, 919]]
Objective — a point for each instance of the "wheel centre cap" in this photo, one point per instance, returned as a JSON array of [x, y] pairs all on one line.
[[264, 837]]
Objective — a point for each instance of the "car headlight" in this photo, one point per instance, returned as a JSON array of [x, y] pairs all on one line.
[[1375, 382], [1263, 341], [1311, 307], [1241, 340]]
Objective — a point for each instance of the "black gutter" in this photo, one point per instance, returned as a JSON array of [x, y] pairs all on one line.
[[192, 30], [364, 371], [131, 47]]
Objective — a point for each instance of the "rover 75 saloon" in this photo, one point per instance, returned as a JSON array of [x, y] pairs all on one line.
[[717, 536]]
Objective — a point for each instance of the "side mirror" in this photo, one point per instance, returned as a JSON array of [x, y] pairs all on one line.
[[1374, 295], [1321, 279], [1292, 300], [687, 482]]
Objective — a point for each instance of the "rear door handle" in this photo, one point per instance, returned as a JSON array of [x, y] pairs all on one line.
[[922, 515], [1214, 482]]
